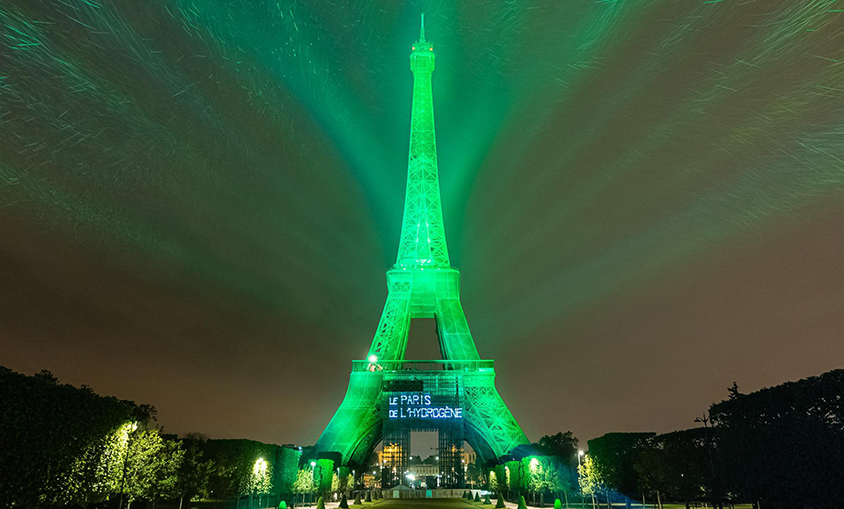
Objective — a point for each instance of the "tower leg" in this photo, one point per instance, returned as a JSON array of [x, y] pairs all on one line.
[[456, 341], [355, 428], [488, 415], [390, 339]]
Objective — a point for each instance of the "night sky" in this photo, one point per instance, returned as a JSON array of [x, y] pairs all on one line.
[[199, 200]]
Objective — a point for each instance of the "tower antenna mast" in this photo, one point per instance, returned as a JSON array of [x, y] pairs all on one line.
[[422, 29]]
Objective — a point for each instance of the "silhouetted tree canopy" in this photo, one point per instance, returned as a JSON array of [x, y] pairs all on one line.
[[784, 445]]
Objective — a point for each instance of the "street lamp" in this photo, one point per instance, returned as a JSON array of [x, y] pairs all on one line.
[[581, 454], [129, 431], [259, 471], [316, 482]]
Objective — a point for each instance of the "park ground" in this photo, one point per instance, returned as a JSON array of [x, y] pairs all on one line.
[[459, 503], [430, 503]]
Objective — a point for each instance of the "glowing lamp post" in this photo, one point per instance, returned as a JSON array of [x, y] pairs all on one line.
[[130, 429], [313, 476], [259, 473], [535, 468], [580, 455]]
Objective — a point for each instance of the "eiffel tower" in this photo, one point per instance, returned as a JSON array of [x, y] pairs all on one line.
[[385, 388]]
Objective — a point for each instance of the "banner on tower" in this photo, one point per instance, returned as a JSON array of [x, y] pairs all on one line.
[[420, 406]]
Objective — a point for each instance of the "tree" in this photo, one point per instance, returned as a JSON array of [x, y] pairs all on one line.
[[195, 470], [323, 475], [542, 474], [499, 504], [589, 477], [675, 465], [260, 483], [493, 484], [548, 474], [614, 455], [60, 444], [515, 479], [304, 482], [234, 461], [152, 466], [561, 445], [474, 473], [557, 478], [532, 474], [96, 473], [285, 469], [783, 446], [168, 461]]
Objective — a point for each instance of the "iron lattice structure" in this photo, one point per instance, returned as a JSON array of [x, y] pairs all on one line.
[[422, 284], [410, 378]]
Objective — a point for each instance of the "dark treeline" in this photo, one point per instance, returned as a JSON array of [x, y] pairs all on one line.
[[780, 447], [67, 446]]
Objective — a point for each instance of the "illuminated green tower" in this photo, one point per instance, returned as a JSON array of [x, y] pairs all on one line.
[[422, 284]]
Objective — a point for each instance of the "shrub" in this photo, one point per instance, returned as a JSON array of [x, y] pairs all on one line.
[[344, 504], [320, 503], [522, 504], [357, 499], [486, 500], [500, 503], [557, 504]]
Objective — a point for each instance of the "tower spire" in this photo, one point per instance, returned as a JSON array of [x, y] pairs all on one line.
[[422, 242], [422, 29]]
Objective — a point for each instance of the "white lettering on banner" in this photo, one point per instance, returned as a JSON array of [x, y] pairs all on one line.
[[418, 406]]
